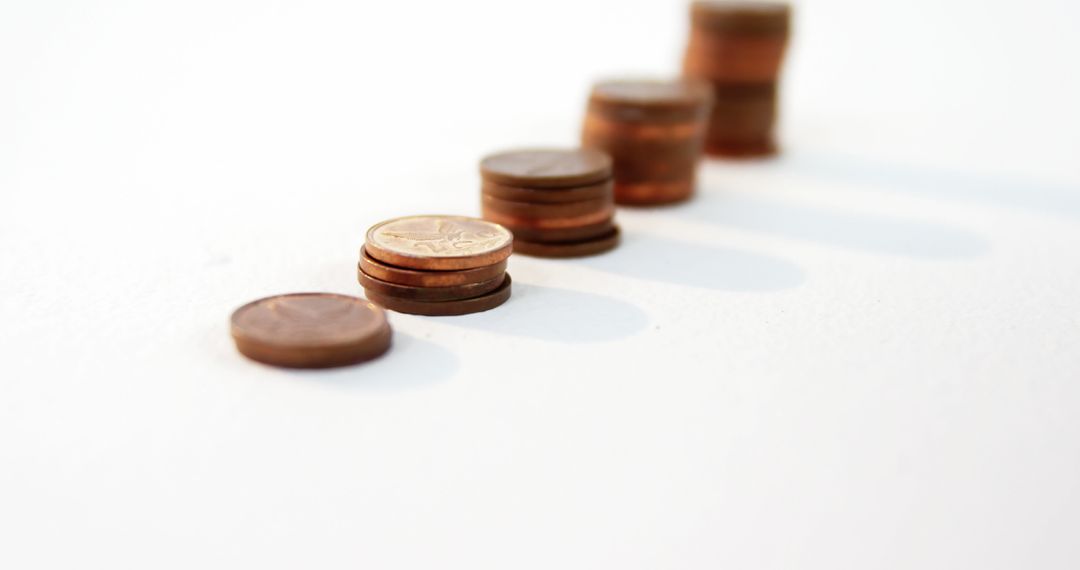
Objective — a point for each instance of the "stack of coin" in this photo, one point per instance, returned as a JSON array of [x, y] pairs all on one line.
[[654, 131], [558, 203], [310, 330], [436, 265], [738, 47]]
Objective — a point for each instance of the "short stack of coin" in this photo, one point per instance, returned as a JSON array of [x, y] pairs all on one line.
[[436, 265], [654, 132], [738, 47], [557, 202]]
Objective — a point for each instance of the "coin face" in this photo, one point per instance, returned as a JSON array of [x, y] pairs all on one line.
[[546, 168], [310, 330], [439, 242], [650, 92]]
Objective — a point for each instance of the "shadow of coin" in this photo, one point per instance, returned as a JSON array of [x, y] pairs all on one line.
[[683, 263], [854, 231]]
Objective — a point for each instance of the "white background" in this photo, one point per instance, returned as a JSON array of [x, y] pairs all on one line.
[[864, 354]]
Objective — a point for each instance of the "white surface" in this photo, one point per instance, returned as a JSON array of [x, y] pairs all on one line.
[[863, 355]]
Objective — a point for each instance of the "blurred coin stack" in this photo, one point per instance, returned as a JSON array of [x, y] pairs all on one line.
[[557, 202], [738, 47], [654, 131], [436, 265]]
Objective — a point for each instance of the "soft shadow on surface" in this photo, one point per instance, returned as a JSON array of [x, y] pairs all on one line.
[[872, 233], [562, 315], [1011, 191], [411, 363], [682, 263]]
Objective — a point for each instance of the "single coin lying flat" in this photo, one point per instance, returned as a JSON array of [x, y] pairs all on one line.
[[311, 330]]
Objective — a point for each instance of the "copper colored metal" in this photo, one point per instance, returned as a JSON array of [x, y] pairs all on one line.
[[755, 17], [601, 189], [738, 48], [649, 193], [548, 223], [735, 58], [484, 302], [546, 168], [582, 248], [438, 243], [453, 293], [530, 211], [559, 235], [418, 278], [629, 120], [310, 330]]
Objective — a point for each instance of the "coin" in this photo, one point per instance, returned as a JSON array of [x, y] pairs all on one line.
[[580, 233], [653, 193], [547, 195], [444, 308], [310, 330], [569, 249], [452, 293], [647, 100], [439, 242], [548, 223], [418, 278], [741, 17], [734, 59], [530, 211], [546, 168]]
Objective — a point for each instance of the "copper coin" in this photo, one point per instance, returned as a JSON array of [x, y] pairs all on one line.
[[548, 223], [607, 129], [548, 195], [546, 168], [557, 235], [418, 278], [736, 59], [741, 16], [756, 148], [652, 193], [439, 242], [444, 308], [310, 330], [643, 100], [453, 293], [545, 211], [569, 249]]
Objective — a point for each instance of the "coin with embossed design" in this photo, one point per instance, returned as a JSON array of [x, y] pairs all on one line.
[[439, 242], [310, 330]]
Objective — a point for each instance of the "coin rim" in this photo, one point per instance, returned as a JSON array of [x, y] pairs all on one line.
[[433, 294], [583, 248], [479, 304]]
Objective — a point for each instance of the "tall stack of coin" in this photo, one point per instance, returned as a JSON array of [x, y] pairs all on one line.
[[436, 265], [738, 47], [654, 131], [557, 202]]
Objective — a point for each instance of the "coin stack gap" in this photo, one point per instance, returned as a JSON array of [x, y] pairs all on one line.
[[654, 132], [557, 202], [310, 330], [436, 265], [738, 48]]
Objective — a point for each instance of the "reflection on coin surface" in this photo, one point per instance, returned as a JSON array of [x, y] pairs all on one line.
[[439, 242], [310, 330]]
